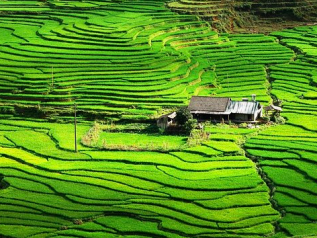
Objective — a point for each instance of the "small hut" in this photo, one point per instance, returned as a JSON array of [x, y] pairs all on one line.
[[272, 107], [166, 120]]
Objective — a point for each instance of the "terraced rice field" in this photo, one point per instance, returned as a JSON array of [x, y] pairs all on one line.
[[52, 56], [128, 60], [199, 191], [287, 154]]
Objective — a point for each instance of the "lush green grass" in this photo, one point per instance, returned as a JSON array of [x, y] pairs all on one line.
[[41, 144], [223, 146], [141, 141], [300, 229]]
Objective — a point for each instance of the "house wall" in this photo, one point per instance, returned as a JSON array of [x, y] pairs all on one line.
[[257, 114], [162, 123], [240, 117], [208, 117], [232, 117]]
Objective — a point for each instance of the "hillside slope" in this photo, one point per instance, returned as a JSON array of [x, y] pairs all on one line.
[[130, 60], [60, 52], [250, 16]]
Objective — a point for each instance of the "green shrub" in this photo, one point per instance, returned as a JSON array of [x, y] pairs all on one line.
[[190, 125], [183, 116], [197, 136], [279, 119]]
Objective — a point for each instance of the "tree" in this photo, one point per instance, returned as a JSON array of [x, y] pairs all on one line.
[[183, 115], [185, 120]]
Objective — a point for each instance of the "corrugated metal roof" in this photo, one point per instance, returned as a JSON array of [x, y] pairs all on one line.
[[243, 107]]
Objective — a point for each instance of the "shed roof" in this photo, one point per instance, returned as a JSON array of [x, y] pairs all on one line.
[[171, 115], [243, 107], [272, 107], [208, 104]]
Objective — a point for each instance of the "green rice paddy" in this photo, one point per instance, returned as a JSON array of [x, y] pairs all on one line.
[[131, 60]]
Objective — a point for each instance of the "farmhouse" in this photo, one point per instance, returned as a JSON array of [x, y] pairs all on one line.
[[223, 108]]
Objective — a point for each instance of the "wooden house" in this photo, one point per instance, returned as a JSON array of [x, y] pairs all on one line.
[[209, 108], [223, 108]]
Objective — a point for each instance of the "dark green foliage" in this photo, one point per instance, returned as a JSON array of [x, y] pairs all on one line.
[[190, 125], [3, 183], [183, 115]]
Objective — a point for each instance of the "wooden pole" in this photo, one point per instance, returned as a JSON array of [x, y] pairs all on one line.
[[52, 83], [75, 122]]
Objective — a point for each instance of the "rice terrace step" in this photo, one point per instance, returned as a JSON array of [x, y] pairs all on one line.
[[96, 135]]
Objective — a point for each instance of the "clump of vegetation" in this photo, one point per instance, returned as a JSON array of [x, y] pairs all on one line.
[[78, 222], [243, 125], [185, 120], [91, 138], [278, 119], [266, 119], [3, 184], [190, 125], [197, 137], [183, 115]]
